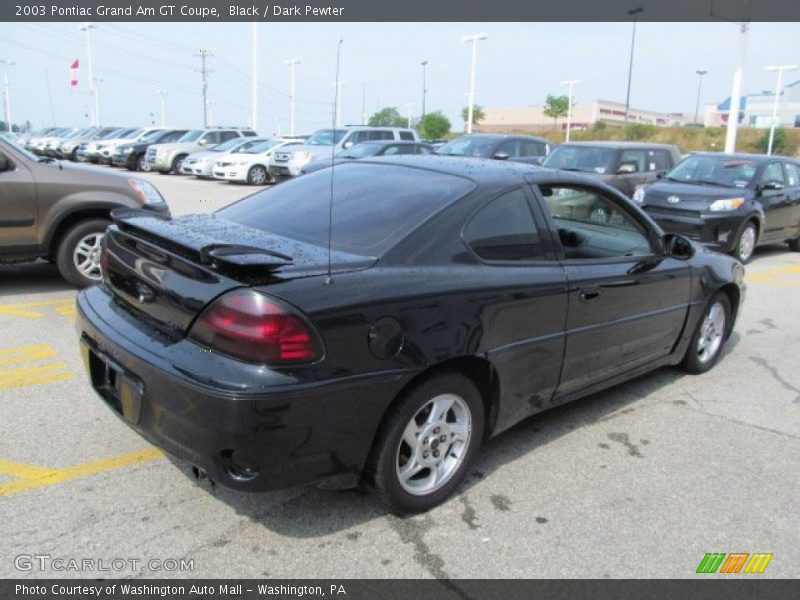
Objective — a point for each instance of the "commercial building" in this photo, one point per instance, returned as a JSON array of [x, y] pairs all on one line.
[[755, 110]]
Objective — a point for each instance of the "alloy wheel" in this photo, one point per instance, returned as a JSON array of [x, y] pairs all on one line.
[[86, 256], [711, 333]]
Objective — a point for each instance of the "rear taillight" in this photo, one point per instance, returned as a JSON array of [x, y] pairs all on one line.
[[256, 328]]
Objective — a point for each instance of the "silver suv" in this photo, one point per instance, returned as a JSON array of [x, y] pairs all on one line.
[[325, 143], [168, 158]]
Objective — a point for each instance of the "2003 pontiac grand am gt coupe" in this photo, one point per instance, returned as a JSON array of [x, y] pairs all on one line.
[[457, 298]]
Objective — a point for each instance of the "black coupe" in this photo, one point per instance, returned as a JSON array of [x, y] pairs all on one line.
[[381, 334]]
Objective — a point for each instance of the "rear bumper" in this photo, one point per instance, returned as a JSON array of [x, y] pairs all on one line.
[[226, 417], [717, 231]]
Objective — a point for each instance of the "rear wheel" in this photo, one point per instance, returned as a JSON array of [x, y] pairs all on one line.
[[178, 163], [142, 164], [78, 253], [706, 345], [257, 175], [426, 443], [746, 244]]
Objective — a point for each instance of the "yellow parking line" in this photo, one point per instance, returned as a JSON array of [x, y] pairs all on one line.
[[20, 309], [32, 476], [773, 275], [26, 353], [24, 375]]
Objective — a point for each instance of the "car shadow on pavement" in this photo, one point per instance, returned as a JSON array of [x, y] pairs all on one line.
[[310, 512], [40, 277], [764, 252]]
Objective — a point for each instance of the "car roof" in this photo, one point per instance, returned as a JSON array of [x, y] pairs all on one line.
[[503, 136], [755, 157], [393, 143], [621, 144]]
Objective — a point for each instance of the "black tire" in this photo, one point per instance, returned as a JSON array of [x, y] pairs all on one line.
[[697, 360], [743, 251], [390, 450], [66, 259], [794, 245], [140, 163], [176, 164], [257, 175]]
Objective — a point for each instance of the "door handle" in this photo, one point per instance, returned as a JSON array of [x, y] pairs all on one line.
[[589, 293]]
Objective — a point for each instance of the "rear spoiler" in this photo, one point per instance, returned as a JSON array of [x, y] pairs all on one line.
[[200, 246]]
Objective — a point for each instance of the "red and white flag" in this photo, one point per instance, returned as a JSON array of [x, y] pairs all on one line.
[[73, 74]]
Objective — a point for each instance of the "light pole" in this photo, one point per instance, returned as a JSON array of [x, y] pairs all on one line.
[[408, 114], [338, 106], [424, 64], [699, 87], [7, 93], [87, 27], [570, 83], [254, 82], [736, 91], [292, 62], [780, 69], [163, 95], [633, 12], [474, 39]]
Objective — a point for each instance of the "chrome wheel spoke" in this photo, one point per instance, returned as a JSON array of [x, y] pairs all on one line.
[[411, 434], [411, 469], [439, 409]]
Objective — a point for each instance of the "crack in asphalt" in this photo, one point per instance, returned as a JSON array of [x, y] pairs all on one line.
[[777, 376]]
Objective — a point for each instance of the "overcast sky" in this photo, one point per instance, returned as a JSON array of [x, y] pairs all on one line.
[[519, 64]]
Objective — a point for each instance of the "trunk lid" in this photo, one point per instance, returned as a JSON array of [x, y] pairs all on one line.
[[166, 271]]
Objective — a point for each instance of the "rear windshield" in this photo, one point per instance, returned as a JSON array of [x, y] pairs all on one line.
[[468, 146], [374, 206], [581, 158]]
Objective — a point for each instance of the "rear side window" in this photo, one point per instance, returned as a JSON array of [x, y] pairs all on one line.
[[528, 148], [249, 133], [228, 135], [635, 158], [380, 135], [407, 136], [374, 206], [504, 229], [658, 160]]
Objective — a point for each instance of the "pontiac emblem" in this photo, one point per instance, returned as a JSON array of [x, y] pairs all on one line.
[[673, 199]]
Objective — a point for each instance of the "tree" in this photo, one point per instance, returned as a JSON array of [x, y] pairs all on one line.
[[434, 126], [478, 114], [555, 107], [388, 117]]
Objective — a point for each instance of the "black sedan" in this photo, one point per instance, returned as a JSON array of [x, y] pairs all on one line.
[[381, 334], [516, 148], [731, 202], [132, 155], [370, 150]]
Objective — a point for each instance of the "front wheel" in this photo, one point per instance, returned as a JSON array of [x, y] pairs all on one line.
[[746, 244], [177, 164], [426, 443], [711, 332], [78, 253], [257, 175]]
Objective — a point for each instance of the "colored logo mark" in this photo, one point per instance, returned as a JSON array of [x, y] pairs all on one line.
[[734, 562]]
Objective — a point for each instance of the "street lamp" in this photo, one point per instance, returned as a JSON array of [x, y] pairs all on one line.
[[7, 93], [570, 83], [87, 27], [424, 64], [699, 86], [474, 39], [292, 62], [163, 95], [633, 12], [780, 69]]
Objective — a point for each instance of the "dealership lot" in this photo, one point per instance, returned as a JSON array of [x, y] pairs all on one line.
[[639, 481]]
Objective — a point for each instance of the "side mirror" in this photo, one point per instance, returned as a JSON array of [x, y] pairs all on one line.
[[4, 163], [501, 156], [626, 168], [202, 142], [347, 145], [677, 246], [772, 185]]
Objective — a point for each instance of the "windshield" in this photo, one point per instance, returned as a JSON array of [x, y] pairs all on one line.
[[230, 145], [728, 171], [132, 134], [154, 135], [191, 136], [468, 146], [13, 143], [258, 147], [373, 206], [113, 134], [361, 150], [326, 137], [588, 159]]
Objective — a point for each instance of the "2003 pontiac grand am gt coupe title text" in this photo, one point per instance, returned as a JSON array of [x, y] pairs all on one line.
[[463, 296]]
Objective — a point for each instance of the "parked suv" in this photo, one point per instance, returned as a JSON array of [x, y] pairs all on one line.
[[623, 165], [731, 202], [132, 155], [324, 143], [168, 158], [60, 211]]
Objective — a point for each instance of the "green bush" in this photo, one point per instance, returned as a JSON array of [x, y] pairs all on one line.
[[780, 142], [599, 125], [640, 131]]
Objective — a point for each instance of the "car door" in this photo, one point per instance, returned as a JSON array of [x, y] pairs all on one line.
[[521, 301], [793, 193], [774, 197], [627, 301], [18, 210]]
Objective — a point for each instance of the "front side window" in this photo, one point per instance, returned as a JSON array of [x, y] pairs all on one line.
[[511, 148], [591, 225], [504, 230], [530, 149], [773, 172]]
